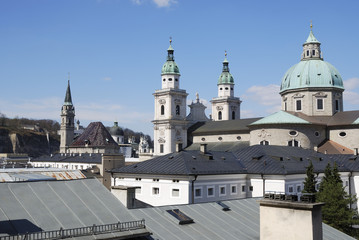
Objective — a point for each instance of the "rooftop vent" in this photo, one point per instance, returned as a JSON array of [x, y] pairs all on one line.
[[180, 216], [224, 206]]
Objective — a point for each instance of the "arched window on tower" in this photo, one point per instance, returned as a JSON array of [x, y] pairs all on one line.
[[219, 115], [177, 110], [162, 110], [233, 115]]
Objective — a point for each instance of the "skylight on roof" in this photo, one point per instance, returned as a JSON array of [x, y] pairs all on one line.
[[224, 206], [180, 216]]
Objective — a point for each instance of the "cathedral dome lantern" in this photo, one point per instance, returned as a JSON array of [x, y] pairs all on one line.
[[170, 71], [225, 77], [312, 86]]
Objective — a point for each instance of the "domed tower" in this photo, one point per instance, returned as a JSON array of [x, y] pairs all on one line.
[[225, 106], [312, 86], [117, 133], [67, 121], [170, 109]]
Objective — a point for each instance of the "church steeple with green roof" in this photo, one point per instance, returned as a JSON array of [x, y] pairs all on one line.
[[225, 77], [311, 47], [67, 126]]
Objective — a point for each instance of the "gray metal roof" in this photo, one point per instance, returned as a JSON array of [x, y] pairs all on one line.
[[224, 127], [187, 163], [220, 146], [257, 159], [95, 158], [211, 222], [51, 205]]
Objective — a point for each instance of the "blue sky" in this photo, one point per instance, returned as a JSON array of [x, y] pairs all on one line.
[[114, 51]]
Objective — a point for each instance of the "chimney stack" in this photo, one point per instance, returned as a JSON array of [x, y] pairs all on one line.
[[290, 220], [203, 148]]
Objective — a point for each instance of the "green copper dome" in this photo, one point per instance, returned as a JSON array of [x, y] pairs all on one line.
[[170, 66], [311, 73], [225, 77]]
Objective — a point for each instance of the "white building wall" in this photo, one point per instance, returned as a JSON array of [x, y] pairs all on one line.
[[350, 140], [240, 137]]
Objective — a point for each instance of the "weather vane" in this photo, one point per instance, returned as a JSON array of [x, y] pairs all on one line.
[[170, 40], [225, 53], [311, 25]]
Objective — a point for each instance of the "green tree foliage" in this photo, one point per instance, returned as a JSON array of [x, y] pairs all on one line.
[[336, 212], [310, 181]]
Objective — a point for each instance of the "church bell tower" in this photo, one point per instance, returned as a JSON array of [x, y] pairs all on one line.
[[170, 125], [67, 121]]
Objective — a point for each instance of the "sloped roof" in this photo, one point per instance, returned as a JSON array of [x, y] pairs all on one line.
[[284, 160], [51, 205], [224, 127], [211, 222], [280, 117], [220, 146], [331, 147], [97, 136], [187, 163], [257, 159], [95, 158]]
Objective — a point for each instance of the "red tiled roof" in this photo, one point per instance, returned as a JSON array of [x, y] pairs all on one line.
[[331, 147]]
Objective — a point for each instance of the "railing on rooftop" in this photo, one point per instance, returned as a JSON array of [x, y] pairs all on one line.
[[77, 232]]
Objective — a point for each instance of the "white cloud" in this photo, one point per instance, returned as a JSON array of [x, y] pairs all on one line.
[[137, 2], [164, 3], [264, 95], [107, 79], [351, 83]]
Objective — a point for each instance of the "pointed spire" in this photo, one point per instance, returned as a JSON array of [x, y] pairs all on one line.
[[225, 63], [68, 99], [311, 38]]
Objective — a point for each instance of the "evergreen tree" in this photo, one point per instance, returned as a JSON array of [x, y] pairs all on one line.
[[310, 180], [336, 212]]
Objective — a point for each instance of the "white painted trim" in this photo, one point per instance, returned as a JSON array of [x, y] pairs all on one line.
[[219, 190], [214, 193]]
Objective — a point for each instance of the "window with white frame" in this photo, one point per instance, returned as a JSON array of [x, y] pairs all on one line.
[[222, 190], [175, 192], [320, 104], [155, 191], [298, 105], [299, 188], [210, 191], [290, 188], [243, 188]]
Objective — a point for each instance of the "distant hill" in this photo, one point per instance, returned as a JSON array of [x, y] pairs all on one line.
[[34, 137]]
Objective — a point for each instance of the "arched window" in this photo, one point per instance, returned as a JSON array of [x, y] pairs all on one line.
[[233, 115], [177, 110], [162, 110], [264, 142], [219, 115], [293, 143], [313, 52]]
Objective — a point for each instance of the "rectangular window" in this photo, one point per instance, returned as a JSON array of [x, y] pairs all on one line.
[[175, 192], [320, 104], [161, 148], [251, 188], [299, 188], [298, 105], [285, 106], [337, 105], [243, 188], [313, 52], [210, 192], [222, 190], [290, 189], [155, 191], [198, 192], [233, 189]]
